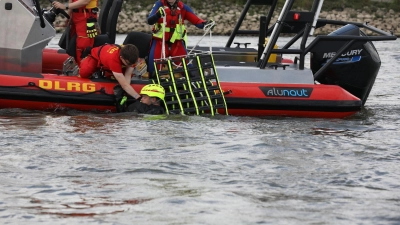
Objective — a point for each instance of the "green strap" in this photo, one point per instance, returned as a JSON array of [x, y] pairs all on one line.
[[171, 74], [205, 85], [210, 97], [218, 84], [184, 63]]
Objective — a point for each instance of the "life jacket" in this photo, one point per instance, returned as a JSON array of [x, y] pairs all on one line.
[[106, 71], [140, 107], [99, 64], [102, 72], [92, 4], [175, 28]]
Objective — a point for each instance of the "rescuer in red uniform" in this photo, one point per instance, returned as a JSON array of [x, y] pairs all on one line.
[[119, 61], [84, 22]]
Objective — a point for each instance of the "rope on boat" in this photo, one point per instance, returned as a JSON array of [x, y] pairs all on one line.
[[206, 28], [163, 37]]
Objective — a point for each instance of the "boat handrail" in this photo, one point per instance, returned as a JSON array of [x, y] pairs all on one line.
[[360, 25], [309, 25], [316, 16], [246, 8], [377, 35], [275, 33]]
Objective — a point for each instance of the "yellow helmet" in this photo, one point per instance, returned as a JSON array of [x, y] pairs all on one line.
[[153, 90]]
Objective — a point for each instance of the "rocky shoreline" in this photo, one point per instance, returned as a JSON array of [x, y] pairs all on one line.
[[134, 18]]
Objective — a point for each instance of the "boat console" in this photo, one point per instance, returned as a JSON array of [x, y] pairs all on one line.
[[25, 34], [27, 30]]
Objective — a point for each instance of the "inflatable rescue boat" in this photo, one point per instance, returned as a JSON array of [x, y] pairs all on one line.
[[229, 80]]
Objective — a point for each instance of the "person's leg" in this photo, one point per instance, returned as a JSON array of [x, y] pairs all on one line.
[[82, 40], [155, 53], [179, 51], [87, 67]]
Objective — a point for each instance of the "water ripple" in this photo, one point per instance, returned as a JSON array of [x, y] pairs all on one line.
[[72, 167]]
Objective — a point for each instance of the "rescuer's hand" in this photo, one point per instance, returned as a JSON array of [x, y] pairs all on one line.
[[209, 24], [91, 30], [160, 12]]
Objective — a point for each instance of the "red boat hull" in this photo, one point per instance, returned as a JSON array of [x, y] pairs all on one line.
[[53, 60], [52, 92], [48, 91], [327, 101]]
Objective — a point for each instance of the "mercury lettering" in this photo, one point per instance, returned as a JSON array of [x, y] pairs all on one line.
[[67, 86], [349, 53]]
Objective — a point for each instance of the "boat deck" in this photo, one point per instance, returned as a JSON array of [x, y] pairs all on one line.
[[250, 73]]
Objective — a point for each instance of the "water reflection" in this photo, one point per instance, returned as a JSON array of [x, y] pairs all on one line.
[[21, 119], [91, 123], [89, 207]]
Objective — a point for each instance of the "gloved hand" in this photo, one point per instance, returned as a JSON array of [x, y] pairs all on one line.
[[210, 23], [121, 104], [123, 100], [160, 12], [91, 30]]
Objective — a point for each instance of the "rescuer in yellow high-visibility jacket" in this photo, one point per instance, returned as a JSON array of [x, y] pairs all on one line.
[[175, 13]]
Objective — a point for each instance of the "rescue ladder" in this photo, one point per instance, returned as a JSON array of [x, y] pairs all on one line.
[[193, 88]]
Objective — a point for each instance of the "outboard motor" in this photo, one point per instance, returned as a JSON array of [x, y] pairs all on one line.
[[356, 68]]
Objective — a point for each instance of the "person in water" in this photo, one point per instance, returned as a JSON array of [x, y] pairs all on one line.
[[118, 62], [151, 96], [173, 32], [83, 14]]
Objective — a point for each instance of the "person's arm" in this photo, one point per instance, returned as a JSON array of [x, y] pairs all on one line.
[[193, 18], [128, 74], [153, 17], [69, 10], [72, 5], [122, 80]]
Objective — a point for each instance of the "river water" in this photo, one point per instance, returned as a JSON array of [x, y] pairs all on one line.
[[83, 168]]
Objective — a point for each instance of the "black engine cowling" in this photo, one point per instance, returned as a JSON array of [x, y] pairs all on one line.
[[356, 68]]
